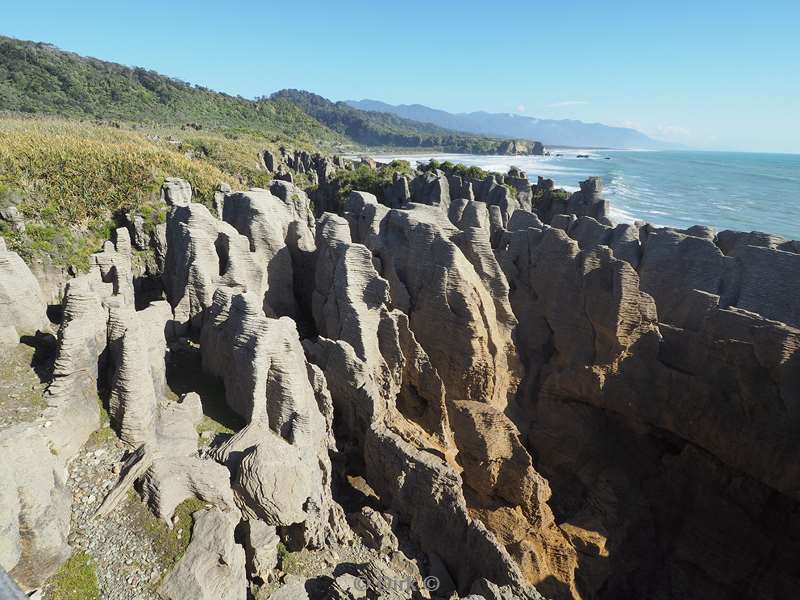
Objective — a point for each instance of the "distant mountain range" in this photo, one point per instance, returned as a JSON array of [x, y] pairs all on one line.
[[563, 132], [37, 78], [41, 79], [382, 128]]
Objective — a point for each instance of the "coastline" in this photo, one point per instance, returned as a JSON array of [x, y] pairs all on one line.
[[669, 188]]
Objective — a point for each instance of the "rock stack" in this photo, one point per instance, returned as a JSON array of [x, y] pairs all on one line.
[[472, 379]]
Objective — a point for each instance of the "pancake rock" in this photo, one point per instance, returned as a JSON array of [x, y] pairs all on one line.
[[358, 351], [213, 567], [23, 310], [35, 504], [607, 374], [438, 286], [284, 474]]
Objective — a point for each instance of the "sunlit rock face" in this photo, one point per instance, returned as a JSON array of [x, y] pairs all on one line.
[[479, 371]]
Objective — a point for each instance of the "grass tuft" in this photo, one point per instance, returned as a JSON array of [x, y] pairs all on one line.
[[73, 180], [168, 544], [75, 580]]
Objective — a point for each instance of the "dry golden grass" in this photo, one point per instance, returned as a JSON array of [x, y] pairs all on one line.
[[70, 178]]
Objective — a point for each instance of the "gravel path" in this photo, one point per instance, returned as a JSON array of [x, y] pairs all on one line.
[[127, 566]]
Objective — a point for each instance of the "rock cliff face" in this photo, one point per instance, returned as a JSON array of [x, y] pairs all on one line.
[[681, 362], [23, 310], [484, 372]]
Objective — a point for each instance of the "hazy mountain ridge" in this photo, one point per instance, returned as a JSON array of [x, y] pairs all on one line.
[[384, 128], [558, 132], [38, 78]]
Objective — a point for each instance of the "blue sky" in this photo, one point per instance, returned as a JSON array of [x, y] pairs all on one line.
[[705, 73]]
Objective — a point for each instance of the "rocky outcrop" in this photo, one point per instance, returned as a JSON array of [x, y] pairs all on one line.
[[485, 372], [261, 549], [23, 310], [414, 249], [460, 187], [34, 501], [437, 285], [138, 347], [431, 188], [510, 497], [514, 147], [607, 365], [398, 193], [204, 253], [256, 247], [213, 567], [271, 224], [284, 471]]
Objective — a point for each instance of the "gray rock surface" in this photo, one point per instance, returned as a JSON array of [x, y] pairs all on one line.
[[213, 567], [285, 472], [23, 310], [204, 253], [291, 591], [34, 502], [431, 188], [176, 192], [374, 530], [261, 549]]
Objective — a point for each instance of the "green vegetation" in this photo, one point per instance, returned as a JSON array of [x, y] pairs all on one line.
[[455, 169], [364, 179], [83, 141], [385, 129], [75, 580], [292, 562], [72, 181], [39, 78], [168, 544], [554, 194], [212, 425], [185, 375], [21, 390], [101, 437]]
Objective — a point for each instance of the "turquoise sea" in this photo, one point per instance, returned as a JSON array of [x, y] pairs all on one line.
[[726, 190]]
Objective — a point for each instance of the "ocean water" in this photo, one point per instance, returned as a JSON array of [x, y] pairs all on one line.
[[725, 190]]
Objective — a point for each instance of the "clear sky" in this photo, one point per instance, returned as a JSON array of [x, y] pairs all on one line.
[[705, 73]]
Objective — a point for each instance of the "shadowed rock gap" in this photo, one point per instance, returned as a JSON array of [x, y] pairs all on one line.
[[504, 390]]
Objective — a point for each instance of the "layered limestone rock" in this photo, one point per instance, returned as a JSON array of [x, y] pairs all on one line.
[[586, 202], [511, 498], [431, 188], [138, 344], [753, 271], [35, 504], [283, 472], [213, 566], [358, 356], [604, 377], [263, 246], [398, 193], [23, 310], [370, 342], [280, 230], [204, 253], [440, 288], [532, 395]]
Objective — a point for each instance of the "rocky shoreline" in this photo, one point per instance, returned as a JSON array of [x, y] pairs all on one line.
[[456, 377]]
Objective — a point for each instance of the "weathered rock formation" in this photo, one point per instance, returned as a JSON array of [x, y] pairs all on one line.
[[23, 310], [612, 368], [419, 252], [213, 566], [536, 399]]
